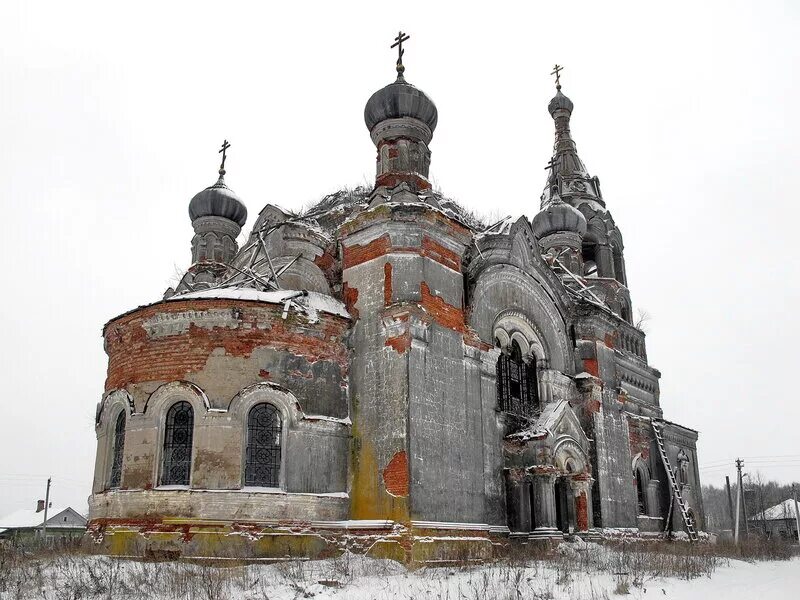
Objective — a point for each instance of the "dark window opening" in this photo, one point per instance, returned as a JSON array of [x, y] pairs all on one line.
[[263, 459], [626, 313], [119, 446], [178, 445], [589, 253], [517, 386], [619, 268], [640, 493]]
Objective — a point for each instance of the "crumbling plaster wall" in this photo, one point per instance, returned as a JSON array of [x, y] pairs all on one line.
[[418, 405]]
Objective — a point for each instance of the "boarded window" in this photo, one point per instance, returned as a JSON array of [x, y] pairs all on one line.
[[517, 388], [178, 445], [263, 459], [119, 447]]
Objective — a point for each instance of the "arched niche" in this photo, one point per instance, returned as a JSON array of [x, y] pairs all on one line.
[[569, 457], [506, 292]]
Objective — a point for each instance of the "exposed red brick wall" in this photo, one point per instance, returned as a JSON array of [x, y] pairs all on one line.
[[391, 180], [443, 313], [582, 512], [387, 284], [590, 366], [640, 433], [610, 339], [440, 254], [133, 357], [328, 264], [395, 475], [350, 298], [400, 343], [357, 254]]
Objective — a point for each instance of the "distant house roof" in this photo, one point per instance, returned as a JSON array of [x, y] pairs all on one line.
[[28, 518], [784, 510]]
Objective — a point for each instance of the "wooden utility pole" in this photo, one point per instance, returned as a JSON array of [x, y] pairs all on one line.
[[730, 500], [796, 513], [738, 499], [46, 503]]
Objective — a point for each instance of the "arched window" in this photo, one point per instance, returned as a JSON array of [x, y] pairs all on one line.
[[177, 465], [263, 458], [119, 446], [517, 389]]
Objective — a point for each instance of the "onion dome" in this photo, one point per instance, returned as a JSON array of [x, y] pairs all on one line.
[[559, 102], [558, 216], [397, 100], [218, 200]]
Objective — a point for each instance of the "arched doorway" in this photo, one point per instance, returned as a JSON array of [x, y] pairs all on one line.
[[565, 505]]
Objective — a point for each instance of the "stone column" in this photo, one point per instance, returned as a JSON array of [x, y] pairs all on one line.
[[653, 504], [494, 490], [605, 261], [544, 504]]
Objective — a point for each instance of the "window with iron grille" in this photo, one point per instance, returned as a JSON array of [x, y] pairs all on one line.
[[178, 445], [517, 388], [263, 458], [119, 446]]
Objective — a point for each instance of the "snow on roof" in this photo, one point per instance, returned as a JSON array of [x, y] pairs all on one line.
[[28, 517], [544, 425], [784, 510], [314, 301]]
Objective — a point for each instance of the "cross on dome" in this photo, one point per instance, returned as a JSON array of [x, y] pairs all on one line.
[[398, 41], [557, 72], [224, 152]]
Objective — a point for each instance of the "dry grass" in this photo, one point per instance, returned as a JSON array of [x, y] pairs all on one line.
[[524, 572]]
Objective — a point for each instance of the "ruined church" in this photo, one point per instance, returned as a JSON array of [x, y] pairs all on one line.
[[385, 373]]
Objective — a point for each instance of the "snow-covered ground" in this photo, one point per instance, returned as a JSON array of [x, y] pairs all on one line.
[[585, 573]]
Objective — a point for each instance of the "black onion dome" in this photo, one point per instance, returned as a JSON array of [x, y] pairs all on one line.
[[400, 99], [559, 101], [218, 200], [558, 216]]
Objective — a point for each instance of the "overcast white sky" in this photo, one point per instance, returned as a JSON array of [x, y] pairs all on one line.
[[111, 115]]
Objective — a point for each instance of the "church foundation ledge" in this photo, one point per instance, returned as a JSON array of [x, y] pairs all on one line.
[[436, 543]]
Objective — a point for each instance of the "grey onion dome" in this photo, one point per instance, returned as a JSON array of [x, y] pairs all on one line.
[[558, 216], [400, 99], [218, 200], [559, 101]]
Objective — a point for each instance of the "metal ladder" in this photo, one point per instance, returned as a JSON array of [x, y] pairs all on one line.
[[687, 519]]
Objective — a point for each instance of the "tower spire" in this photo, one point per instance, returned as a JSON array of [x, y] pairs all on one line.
[[567, 175]]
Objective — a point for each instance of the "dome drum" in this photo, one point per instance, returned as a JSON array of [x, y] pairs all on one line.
[[402, 127]]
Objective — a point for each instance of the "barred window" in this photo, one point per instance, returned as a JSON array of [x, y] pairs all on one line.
[[178, 445], [263, 459], [119, 446], [517, 389]]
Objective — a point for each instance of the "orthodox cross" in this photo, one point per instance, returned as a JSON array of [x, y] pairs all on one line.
[[223, 151], [552, 164], [557, 72], [398, 41]]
